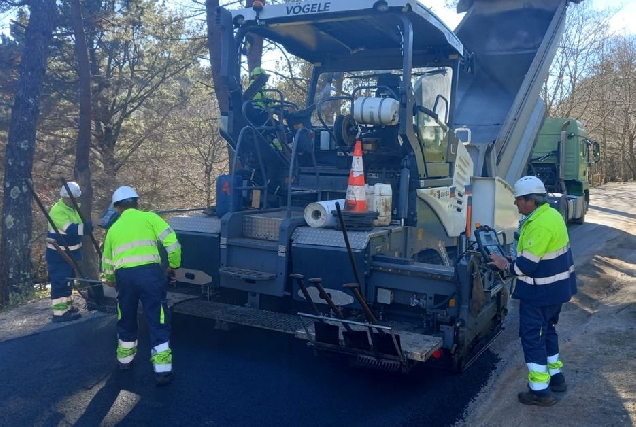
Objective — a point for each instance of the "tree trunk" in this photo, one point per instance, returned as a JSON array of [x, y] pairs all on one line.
[[16, 271], [214, 35], [82, 172]]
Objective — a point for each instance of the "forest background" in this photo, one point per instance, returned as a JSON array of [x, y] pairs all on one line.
[[121, 92]]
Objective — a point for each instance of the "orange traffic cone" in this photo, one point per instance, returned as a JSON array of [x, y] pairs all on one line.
[[356, 200]]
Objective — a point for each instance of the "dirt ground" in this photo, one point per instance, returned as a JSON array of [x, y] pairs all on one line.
[[597, 331]]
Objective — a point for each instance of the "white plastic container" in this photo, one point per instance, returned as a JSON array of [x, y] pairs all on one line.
[[380, 200], [376, 111], [318, 214]]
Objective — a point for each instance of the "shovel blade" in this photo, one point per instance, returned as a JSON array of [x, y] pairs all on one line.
[[357, 339], [384, 344], [326, 333]]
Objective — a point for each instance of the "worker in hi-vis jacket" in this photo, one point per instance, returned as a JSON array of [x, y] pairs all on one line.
[[257, 112], [544, 280], [131, 263], [71, 232]]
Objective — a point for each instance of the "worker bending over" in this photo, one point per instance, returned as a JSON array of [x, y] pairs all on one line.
[[131, 262], [72, 231]]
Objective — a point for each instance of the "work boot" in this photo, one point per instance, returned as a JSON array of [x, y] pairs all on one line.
[[66, 317], [557, 383], [530, 398], [164, 378]]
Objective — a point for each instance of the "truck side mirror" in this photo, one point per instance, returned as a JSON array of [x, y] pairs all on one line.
[[596, 152]]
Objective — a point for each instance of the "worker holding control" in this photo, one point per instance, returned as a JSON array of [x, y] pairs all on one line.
[[545, 279]]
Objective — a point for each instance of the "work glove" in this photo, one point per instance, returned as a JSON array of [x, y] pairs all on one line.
[[109, 218], [107, 282], [172, 275]]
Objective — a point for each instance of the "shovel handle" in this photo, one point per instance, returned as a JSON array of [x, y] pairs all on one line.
[[317, 282], [299, 278], [355, 288]]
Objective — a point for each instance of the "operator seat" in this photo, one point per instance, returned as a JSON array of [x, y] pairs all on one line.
[[388, 86]]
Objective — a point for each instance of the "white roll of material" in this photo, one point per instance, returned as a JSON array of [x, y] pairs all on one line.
[[318, 214]]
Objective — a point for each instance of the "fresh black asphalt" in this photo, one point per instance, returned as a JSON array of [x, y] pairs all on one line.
[[242, 377]]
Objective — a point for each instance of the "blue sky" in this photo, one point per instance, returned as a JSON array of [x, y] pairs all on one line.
[[623, 21]]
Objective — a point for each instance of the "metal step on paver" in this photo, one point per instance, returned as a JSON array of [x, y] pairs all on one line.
[[246, 316], [177, 297], [247, 242], [246, 274]]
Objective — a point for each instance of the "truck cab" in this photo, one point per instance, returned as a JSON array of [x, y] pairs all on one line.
[[562, 157]]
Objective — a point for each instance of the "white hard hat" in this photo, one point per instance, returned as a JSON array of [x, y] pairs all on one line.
[[74, 187], [529, 185], [123, 193]]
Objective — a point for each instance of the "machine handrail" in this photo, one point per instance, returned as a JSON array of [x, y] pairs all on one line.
[[263, 187], [292, 162]]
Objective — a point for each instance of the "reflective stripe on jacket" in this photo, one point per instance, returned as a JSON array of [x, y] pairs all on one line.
[[132, 241], [544, 265], [69, 224]]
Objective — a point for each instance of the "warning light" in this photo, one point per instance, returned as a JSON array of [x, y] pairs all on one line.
[[257, 5], [437, 354], [381, 6], [451, 302]]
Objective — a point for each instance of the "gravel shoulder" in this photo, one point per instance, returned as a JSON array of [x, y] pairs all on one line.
[[35, 317], [597, 331]]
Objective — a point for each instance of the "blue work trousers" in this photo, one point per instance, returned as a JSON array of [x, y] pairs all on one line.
[[59, 272], [537, 330], [145, 283]]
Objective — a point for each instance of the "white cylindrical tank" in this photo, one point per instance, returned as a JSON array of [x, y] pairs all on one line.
[[318, 214], [376, 111]]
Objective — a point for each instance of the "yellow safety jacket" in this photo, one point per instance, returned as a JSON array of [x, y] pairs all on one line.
[[544, 265], [132, 241], [69, 224], [260, 98]]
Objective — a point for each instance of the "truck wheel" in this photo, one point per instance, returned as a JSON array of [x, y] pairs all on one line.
[[563, 208], [581, 219]]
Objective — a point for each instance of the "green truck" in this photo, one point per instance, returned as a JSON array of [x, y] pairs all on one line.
[[561, 158]]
